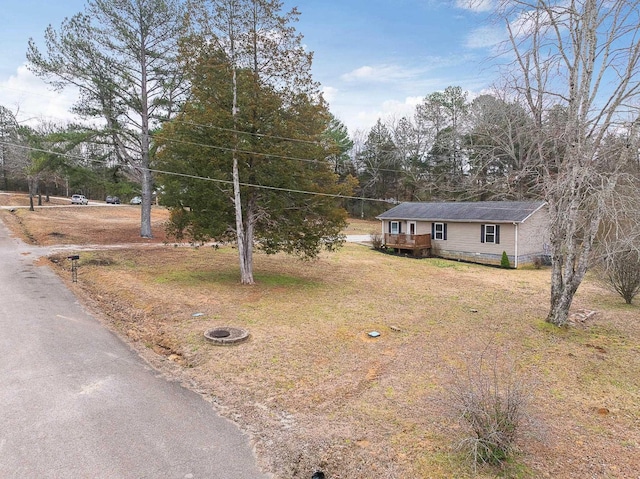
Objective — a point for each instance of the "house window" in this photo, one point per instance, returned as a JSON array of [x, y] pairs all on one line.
[[439, 231], [394, 227], [490, 234]]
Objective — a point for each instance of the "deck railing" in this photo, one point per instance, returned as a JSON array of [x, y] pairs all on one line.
[[407, 241]]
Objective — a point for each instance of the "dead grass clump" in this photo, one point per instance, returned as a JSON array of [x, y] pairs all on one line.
[[99, 260], [335, 458], [491, 402]]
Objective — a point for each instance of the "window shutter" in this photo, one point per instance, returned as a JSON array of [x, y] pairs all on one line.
[[389, 227], [445, 232], [497, 234], [433, 231], [481, 233]]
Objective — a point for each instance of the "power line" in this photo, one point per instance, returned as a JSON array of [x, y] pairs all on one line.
[[389, 170], [242, 132], [257, 153], [175, 120], [236, 150], [203, 178]]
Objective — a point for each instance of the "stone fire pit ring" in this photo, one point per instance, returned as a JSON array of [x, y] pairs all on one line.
[[226, 335]]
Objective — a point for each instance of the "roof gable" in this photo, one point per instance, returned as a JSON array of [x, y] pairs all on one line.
[[480, 211]]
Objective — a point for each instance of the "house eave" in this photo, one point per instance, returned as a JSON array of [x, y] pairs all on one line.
[[442, 220], [508, 216], [533, 212]]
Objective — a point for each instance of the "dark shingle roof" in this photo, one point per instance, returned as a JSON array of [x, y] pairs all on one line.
[[497, 211]]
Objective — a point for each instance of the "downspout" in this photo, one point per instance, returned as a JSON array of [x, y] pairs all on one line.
[[515, 261]]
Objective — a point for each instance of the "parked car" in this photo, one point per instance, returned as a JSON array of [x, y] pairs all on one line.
[[113, 200], [79, 200], [136, 200]]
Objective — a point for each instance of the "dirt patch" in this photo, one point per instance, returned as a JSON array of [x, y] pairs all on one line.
[[317, 393]]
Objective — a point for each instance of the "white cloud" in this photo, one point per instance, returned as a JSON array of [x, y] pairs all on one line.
[[485, 37], [379, 74], [329, 93], [476, 5], [363, 117], [34, 100], [398, 109]]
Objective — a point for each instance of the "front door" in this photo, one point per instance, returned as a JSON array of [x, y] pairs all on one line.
[[412, 228]]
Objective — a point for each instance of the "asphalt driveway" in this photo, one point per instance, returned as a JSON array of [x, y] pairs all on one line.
[[77, 402]]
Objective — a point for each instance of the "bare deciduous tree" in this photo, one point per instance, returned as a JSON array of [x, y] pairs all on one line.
[[579, 60]]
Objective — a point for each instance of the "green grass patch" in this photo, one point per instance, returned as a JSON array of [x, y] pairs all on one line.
[[445, 263], [281, 280], [197, 278]]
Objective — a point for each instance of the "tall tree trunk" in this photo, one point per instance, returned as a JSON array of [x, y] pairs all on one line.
[[5, 178], [572, 234], [147, 180], [565, 280], [245, 243], [145, 214], [31, 183], [563, 289]]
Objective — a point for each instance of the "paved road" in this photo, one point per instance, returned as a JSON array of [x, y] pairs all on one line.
[[76, 402]]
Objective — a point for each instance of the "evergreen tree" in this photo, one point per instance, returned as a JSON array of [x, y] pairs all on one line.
[[262, 157], [378, 165]]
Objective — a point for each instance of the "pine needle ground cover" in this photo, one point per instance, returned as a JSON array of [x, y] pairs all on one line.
[[315, 391]]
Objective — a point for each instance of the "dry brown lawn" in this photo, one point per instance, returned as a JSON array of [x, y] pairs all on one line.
[[21, 199], [59, 222], [315, 391], [362, 227]]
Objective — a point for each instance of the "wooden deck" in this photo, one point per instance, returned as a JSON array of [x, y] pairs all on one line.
[[419, 245]]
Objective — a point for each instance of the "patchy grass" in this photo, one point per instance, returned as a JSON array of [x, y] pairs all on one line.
[[316, 391]]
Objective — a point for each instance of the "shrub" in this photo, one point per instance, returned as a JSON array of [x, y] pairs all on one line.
[[504, 261], [376, 241], [491, 405], [622, 273]]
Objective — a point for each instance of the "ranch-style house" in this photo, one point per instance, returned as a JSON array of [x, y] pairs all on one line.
[[478, 232]]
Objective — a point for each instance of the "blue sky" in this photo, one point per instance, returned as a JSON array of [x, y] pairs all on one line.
[[373, 58]]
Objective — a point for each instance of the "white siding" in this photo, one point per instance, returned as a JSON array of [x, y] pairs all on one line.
[[533, 234], [464, 240]]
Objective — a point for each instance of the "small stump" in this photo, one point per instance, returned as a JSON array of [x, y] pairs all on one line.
[[226, 335]]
